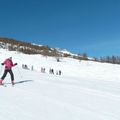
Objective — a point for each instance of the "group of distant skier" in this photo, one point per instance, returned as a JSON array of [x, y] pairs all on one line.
[[51, 71], [58, 72], [8, 63], [43, 70]]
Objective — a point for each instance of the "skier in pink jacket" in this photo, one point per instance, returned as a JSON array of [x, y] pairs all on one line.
[[8, 68]]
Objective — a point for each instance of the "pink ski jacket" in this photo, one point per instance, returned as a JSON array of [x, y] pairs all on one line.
[[8, 64]]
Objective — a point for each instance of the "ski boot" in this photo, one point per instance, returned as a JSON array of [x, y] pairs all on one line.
[[12, 82], [1, 82]]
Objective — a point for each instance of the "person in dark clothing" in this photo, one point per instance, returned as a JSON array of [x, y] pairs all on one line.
[[8, 69], [60, 72]]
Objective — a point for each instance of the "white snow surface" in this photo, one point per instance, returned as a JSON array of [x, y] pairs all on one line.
[[86, 90]]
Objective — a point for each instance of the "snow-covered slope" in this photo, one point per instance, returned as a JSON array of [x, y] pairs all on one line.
[[85, 90]]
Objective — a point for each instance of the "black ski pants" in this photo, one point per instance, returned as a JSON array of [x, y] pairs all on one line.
[[5, 73]]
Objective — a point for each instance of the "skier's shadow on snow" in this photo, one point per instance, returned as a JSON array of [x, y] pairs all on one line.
[[23, 81]]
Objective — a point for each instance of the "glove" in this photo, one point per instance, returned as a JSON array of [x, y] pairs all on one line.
[[15, 64], [2, 63]]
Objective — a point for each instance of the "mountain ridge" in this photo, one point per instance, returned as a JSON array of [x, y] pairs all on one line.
[[32, 48]]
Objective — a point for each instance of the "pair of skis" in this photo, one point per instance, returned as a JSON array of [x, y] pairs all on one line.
[[5, 85]]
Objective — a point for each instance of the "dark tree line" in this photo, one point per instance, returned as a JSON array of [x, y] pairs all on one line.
[[110, 59]]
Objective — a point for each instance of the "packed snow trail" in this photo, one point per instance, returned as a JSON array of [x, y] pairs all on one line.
[[50, 97]]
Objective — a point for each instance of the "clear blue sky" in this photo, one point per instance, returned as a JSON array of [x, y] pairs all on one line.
[[80, 26]]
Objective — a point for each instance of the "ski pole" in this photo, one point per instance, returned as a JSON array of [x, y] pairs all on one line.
[[1, 69], [19, 72]]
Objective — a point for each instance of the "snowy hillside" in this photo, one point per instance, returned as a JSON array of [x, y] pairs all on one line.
[[85, 91]]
